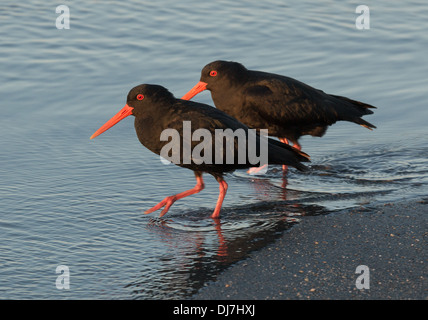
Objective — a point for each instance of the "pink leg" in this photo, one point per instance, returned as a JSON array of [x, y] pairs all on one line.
[[284, 140], [297, 146], [223, 190], [169, 201]]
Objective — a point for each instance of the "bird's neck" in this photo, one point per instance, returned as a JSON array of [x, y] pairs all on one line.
[[224, 99]]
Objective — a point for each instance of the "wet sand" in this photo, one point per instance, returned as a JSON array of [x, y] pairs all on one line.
[[318, 258]]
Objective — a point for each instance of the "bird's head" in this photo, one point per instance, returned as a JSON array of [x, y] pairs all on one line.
[[139, 99], [218, 75]]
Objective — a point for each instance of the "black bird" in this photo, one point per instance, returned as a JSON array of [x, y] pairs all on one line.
[[286, 107], [156, 110]]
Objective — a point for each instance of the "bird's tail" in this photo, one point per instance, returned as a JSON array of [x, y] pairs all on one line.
[[281, 153], [359, 109], [364, 123]]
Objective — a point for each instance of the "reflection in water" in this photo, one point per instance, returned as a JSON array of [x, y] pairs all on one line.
[[200, 247], [263, 187]]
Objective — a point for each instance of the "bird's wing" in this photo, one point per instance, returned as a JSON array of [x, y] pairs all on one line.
[[207, 128], [286, 101], [216, 137]]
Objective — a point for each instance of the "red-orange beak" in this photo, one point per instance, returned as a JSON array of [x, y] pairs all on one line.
[[122, 114], [200, 86]]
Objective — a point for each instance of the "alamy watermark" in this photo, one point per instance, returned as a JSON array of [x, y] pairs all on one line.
[[361, 23], [63, 20], [225, 146], [363, 20], [63, 280], [363, 281]]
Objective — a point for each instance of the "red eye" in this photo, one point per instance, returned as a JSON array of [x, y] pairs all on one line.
[[213, 73], [140, 97]]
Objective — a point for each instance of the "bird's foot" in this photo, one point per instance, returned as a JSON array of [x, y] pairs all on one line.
[[167, 202], [258, 170]]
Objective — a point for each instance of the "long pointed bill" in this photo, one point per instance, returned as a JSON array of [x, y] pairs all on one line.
[[122, 114], [200, 86]]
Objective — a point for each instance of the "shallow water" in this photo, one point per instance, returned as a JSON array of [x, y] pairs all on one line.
[[68, 200]]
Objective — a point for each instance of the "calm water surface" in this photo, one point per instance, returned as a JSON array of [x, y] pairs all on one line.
[[68, 200]]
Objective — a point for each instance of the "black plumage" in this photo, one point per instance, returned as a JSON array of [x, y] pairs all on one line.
[[286, 107], [156, 110]]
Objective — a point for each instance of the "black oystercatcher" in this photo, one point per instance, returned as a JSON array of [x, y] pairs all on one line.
[[156, 110], [286, 107]]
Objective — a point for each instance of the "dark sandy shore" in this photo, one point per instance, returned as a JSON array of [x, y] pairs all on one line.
[[318, 258]]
